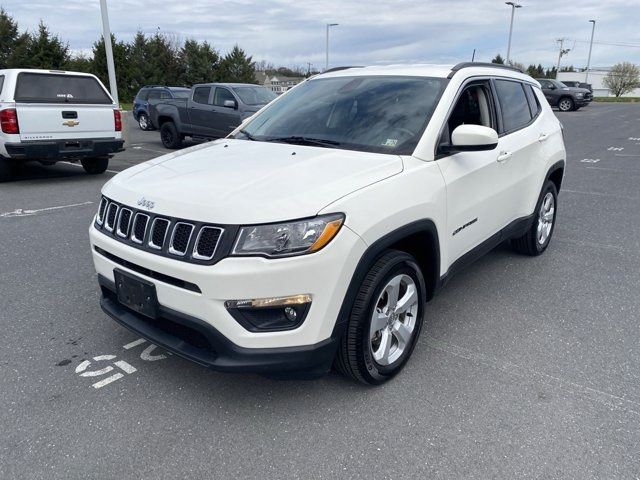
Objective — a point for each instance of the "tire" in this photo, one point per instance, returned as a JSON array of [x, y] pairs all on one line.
[[361, 353], [6, 169], [169, 136], [143, 122], [532, 243], [566, 104], [95, 166]]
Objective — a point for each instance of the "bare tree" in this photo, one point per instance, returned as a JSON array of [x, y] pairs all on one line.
[[622, 78]]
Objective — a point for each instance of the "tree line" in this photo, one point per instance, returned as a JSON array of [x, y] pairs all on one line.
[[156, 59]]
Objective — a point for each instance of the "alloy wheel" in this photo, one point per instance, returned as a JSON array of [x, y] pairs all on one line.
[[546, 218], [393, 320]]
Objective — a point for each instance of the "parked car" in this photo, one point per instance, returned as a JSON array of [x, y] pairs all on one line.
[[50, 115], [150, 92], [316, 233], [563, 97], [211, 111], [574, 84]]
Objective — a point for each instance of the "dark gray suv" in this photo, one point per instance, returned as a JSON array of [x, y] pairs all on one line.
[[563, 97]]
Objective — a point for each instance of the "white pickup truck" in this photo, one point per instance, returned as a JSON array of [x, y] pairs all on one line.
[[50, 115]]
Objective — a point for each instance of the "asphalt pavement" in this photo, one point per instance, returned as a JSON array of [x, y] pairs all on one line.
[[526, 367]]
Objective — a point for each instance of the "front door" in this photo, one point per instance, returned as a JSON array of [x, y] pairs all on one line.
[[225, 118]]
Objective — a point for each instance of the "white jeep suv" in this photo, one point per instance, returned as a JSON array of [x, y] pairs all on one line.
[[315, 234]]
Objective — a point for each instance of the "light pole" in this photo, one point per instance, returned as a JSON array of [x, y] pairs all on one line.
[[106, 33], [593, 29], [513, 10], [326, 67]]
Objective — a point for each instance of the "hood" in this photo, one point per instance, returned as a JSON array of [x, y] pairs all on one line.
[[242, 182]]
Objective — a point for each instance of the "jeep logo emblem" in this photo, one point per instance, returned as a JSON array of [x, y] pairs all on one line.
[[148, 204]]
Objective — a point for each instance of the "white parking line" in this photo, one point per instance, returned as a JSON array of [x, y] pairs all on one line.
[[76, 165], [598, 194], [19, 212], [626, 155]]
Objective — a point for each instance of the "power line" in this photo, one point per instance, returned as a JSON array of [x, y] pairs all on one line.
[[633, 45]]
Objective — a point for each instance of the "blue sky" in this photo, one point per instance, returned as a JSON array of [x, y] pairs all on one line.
[[292, 33]]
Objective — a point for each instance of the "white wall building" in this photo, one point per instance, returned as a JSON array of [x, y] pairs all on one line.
[[596, 79]]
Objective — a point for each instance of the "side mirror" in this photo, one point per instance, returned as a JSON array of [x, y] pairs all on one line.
[[230, 104], [473, 138], [552, 87]]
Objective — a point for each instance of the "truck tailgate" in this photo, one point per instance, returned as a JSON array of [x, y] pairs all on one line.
[[41, 121]]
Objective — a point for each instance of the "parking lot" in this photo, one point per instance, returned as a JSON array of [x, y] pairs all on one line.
[[526, 367]]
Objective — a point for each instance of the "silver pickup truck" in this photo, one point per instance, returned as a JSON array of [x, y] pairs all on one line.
[[212, 110]]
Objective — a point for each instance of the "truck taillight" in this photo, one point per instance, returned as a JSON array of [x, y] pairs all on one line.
[[117, 120], [9, 121]]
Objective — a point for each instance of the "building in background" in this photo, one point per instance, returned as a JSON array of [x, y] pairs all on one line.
[[277, 83], [596, 79]]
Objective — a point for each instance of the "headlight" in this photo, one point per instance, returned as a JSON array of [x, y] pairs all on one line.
[[579, 95], [289, 238]]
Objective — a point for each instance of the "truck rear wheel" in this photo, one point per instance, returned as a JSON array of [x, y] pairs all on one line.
[[95, 166], [170, 136], [6, 169]]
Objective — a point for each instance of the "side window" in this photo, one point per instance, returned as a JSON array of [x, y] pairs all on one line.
[[164, 94], [221, 96], [1, 82], [514, 104], [534, 105], [144, 94], [201, 95], [473, 107], [545, 84], [153, 94]]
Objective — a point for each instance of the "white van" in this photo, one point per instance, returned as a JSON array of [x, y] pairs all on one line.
[[50, 115]]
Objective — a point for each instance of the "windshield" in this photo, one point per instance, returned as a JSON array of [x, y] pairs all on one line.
[[254, 95], [181, 93], [384, 114]]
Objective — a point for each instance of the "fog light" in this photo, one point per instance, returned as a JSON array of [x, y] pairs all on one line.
[[270, 314], [290, 313]]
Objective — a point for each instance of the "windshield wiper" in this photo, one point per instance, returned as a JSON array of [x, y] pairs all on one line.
[[297, 140], [247, 134]]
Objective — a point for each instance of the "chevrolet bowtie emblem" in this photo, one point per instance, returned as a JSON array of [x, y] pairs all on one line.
[[71, 123]]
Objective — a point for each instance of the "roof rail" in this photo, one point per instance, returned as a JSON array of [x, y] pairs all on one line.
[[337, 69], [462, 65]]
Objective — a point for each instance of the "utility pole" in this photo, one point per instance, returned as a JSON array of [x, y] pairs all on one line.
[[106, 33], [562, 53], [328, 26], [513, 10], [473, 57], [593, 29], [308, 68]]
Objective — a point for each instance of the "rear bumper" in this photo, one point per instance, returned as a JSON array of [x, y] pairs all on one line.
[[198, 341], [61, 149]]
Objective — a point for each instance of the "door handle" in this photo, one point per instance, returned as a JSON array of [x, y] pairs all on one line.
[[543, 137], [504, 156]]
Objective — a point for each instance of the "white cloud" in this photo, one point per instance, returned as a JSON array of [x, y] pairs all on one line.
[[288, 32]]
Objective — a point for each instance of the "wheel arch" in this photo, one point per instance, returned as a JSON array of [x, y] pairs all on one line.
[[419, 239], [556, 174]]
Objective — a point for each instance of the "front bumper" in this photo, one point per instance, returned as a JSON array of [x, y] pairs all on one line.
[[60, 149], [325, 275], [198, 341]]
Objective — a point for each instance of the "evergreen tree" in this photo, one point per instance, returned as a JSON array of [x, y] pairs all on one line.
[[8, 38], [198, 63], [237, 67], [46, 51], [126, 90], [498, 59]]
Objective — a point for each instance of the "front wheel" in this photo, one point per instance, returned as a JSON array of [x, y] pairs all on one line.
[[95, 166], [385, 320], [537, 238], [170, 136]]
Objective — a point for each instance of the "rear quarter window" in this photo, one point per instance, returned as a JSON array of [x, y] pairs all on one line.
[[534, 104], [514, 104], [59, 88], [1, 83]]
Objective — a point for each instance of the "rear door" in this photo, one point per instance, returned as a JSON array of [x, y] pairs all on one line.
[[201, 111], [58, 106], [520, 146], [550, 92]]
